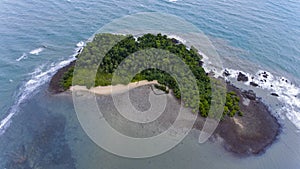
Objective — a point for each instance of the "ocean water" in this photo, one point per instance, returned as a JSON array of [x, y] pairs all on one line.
[[39, 37]]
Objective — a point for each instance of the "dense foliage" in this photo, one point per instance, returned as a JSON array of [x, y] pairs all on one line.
[[232, 105], [128, 45]]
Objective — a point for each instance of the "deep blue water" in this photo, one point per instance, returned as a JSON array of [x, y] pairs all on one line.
[[265, 34]]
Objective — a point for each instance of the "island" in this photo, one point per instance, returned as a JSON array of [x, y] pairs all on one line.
[[247, 126]]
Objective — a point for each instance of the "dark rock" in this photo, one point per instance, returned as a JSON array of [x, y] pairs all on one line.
[[275, 94], [200, 63], [226, 73], [253, 84], [265, 76], [242, 77], [175, 40], [79, 50], [249, 94]]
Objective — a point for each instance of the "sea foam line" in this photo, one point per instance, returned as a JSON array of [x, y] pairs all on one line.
[[38, 78]]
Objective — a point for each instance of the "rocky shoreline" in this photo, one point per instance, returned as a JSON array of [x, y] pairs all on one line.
[[54, 85], [250, 134]]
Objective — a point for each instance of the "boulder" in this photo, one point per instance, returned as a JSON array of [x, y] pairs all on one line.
[[226, 73], [253, 84], [265, 75], [242, 77], [275, 94], [175, 40], [249, 94], [200, 63]]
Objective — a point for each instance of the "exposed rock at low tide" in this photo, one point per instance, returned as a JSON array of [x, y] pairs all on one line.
[[251, 133], [242, 77], [253, 84], [175, 40], [249, 94], [275, 94], [226, 73]]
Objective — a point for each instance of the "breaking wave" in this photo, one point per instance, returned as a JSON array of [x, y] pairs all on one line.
[[38, 77]]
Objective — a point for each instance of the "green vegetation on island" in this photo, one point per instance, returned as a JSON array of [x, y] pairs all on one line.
[[128, 45], [232, 105]]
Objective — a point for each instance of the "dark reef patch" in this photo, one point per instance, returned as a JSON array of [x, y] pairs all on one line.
[[251, 133]]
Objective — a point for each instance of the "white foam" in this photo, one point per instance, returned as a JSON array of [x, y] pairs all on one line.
[[208, 66], [288, 92], [80, 44], [5, 123], [79, 48], [37, 51], [38, 77], [24, 56], [173, 0]]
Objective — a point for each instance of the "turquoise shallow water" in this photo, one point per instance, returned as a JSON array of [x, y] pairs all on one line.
[[249, 35]]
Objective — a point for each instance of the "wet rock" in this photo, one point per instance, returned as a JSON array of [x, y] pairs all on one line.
[[265, 75], [249, 94], [200, 63], [253, 84], [175, 40], [275, 94], [226, 73], [242, 77]]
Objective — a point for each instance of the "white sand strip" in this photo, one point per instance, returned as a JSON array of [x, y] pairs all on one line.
[[107, 90]]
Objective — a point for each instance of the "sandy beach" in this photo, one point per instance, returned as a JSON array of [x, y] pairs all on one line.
[[113, 89]]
